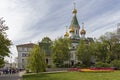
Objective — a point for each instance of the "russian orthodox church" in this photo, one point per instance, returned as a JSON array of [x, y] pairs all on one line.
[[75, 33], [74, 28]]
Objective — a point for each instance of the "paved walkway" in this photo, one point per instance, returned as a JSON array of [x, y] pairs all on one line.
[[10, 77], [17, 76]]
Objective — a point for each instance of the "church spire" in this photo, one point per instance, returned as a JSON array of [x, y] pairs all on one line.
[[83, 32], [74, 11], [66, 33], [74, 26], [74, 5], [74, 22]]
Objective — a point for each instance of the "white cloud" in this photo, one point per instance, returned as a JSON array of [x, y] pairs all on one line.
[[19, 16], [103, 23]]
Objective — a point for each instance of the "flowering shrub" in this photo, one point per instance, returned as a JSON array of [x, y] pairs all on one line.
[[97, 70], [92, 69]]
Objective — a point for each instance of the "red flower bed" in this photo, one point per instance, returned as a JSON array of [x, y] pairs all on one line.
[[97, 70], [101, 68], [92, 69]]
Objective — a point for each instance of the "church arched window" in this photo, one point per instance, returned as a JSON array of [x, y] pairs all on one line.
[[76, 31]]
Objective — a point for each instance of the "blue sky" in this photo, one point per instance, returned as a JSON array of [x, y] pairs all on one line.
[[31, 20]]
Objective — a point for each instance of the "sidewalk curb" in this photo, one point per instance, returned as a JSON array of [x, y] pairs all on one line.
[[21, 73]]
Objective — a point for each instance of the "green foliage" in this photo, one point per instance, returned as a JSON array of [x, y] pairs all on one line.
[[3, 27], [45, 45], [116, 51], [116, 64], [1, 62], [112, 45], [49, 66], [36, 60], [60, 51], [4, 42], [46, 40], [84, 53], [80, 65], [102, 64], [101, 51], [4, 45]]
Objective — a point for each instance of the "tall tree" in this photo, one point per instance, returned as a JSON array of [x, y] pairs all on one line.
[[45, 44], [101, 51], [84, 53], [60, 51], [36, 60], [112, 44], [4, 42], [116, 52]]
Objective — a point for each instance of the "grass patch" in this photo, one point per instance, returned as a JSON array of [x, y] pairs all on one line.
[[74, 76]]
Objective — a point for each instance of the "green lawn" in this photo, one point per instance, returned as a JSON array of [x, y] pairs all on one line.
[[74, 76]]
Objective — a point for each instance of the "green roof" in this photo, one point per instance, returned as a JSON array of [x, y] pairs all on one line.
[[74, 22]]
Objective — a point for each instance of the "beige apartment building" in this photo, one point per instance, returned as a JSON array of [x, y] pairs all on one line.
[[23, 50]]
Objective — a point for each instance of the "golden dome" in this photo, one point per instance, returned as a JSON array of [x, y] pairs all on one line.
[[74, 11], [82, 32], [66, 34], [71, 30]]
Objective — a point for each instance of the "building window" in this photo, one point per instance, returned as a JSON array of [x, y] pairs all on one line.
[[23, 66], [19, 49], [72, 62], [29, 49], [73, 47], [24, 55], [71, 55], [22, 48], [46, 61], [23, 61], [76, 31], [25, 49]]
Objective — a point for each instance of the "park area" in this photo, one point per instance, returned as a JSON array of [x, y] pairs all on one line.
[[115, 75]]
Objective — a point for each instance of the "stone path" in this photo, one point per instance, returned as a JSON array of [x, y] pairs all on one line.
[[17, 76], [10, 77]]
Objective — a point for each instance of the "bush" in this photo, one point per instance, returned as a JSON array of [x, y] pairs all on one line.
[[49, 66], [116, 64], [66, 65], [80, 65], [101, 64]]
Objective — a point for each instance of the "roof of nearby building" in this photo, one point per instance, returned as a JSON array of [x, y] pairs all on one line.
[[26, 45]]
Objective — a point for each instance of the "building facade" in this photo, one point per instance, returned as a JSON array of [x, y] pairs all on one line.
[[23, 51]]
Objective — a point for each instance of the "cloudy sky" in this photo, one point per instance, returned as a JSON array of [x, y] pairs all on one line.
[[31, 20]]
